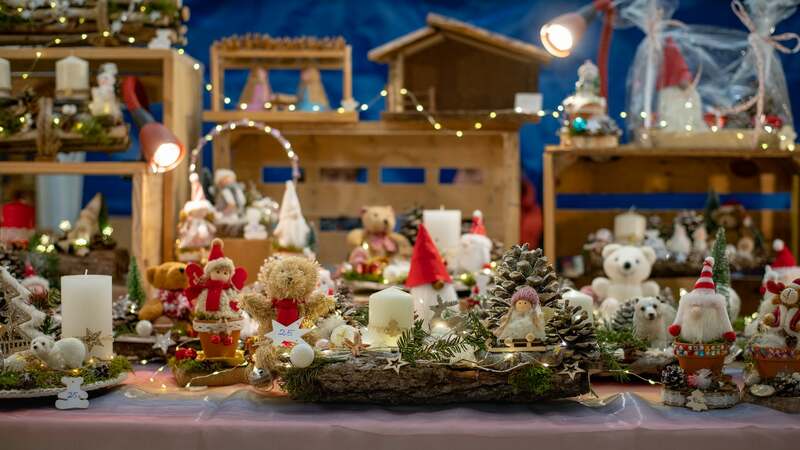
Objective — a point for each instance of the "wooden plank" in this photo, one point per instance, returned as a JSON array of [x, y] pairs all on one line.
[[58, 168], [217, 84], [633, 150], [281, 116], [267, 54], [347, 75], [549, 206], [147, 224]]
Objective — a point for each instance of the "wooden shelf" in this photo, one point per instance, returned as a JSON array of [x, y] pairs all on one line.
[[633, 150], [282, 116], [58, 168]]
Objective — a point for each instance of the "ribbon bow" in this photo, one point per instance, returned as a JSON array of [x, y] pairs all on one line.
[[383, 242], [199, 283]]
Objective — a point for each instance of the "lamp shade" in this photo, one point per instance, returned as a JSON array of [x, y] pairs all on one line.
[[560, 35], [160, 148]]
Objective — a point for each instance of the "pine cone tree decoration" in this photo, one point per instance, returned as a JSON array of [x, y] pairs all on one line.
[[409, 224], [786, 385], [570, 329], [673, 377], [521, 266], [623, 320], [13, 261], [343, 295]]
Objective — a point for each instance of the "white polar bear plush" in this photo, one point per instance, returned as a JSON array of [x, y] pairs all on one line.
[[627, 268], [651, 317], [67, 353]]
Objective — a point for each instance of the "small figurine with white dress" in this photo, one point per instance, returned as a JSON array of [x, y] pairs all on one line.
[[524, 319]]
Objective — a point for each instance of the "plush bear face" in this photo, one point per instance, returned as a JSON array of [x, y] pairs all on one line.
[[292, 277], [627, 263], [729, 217], [378, 219], [168, 276], [647, 308], [42, 345]]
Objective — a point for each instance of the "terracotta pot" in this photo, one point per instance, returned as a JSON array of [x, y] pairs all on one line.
[[214, 347], [693, 357], [771, 361]]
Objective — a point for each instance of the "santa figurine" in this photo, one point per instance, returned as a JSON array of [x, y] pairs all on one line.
[[524, 319], [214, 289], [33, 282], [679, 105], [195, 231], [17, 223], [784, 264], [229, 196], [702, 315], [474, 248], [428, 279], [292, 231]]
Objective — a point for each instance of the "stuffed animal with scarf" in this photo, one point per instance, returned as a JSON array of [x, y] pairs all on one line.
[[377, 238], [214, 289]]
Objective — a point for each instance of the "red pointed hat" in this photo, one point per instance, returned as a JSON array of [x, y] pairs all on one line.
[[674, 70], [783, 256], [706, 282], [18, 214], [477, 223], [427, 266], [216, 258]]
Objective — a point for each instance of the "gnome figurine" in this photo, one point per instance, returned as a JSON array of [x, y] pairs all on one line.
[[195, 230], [474, 248], [33, 282], [214, 289], [784, 264], [524, 319], [17, 223], [230, 199], [679, 105], [428, 278], [679, 244], [702, 315], [292, 231]]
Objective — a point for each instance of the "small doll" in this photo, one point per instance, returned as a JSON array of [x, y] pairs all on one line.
[[524, 319], [214, 290]]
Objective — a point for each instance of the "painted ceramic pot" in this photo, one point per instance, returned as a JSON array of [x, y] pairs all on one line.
[[771, 361], [219, 338], [693, 357]]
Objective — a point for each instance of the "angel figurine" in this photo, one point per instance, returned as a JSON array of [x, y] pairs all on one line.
[[524, 319]]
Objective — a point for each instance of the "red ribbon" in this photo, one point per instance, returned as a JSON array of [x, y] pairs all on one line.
[[287, 310], [382, 241]]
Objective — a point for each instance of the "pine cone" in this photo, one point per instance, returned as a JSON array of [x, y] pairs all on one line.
[[13, 260], [673, 377], [102, 371], [570, 329], [521, 266], [27, 380], [623, 320], [409, 223], [786, 385]]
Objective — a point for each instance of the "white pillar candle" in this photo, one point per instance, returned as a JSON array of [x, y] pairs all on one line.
[[578, 298], [86, 305], [391, 311], [444, 226], [5, 78], [629, 227], [72, 78]]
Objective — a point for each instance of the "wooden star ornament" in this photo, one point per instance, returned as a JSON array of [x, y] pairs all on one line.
[[356, 346], [395, 363], [571, 370], [91, 339]]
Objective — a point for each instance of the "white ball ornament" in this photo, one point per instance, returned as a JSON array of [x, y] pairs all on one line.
[[144, 328], [340, 333], [322, 344], [302, 355]]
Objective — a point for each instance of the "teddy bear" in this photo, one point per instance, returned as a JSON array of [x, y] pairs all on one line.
[[288, 293], [627, 269], [651, 317], [786, 315], [377, 238], [66, 353], [170, 280]]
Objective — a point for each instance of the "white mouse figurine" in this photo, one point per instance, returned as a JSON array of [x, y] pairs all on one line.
[[67, 353]]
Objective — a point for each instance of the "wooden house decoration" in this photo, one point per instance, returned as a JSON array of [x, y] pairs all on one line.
[[261, 54], [455, 69]]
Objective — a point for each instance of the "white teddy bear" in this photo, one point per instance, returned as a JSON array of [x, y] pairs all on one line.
[[627, 268], [651, 317], [67, 353]]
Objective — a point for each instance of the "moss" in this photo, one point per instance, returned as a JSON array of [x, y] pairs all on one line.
[[195, 366], [370, 277], [623, 339], [533, 379], [44, 377]]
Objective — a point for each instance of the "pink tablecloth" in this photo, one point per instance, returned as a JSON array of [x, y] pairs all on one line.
[[143, 415]]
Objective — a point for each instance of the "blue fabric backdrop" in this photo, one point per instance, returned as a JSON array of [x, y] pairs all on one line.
[[367, 24]]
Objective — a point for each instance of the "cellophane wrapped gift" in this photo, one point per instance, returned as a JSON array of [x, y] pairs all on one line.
[[708, 87]]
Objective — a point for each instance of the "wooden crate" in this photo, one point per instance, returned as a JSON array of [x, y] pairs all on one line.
[[649, 172], [169, 77], [146, 202], [256, 51], [362, 152]]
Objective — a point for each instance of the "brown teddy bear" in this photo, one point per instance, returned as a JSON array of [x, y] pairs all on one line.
[[378, 234], [288, 293], [170, 280]]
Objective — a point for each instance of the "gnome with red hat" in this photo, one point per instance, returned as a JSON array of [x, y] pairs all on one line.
[[784, 264], [33, 282], [17, 223], [679, 105], [214, 289], [428, 278], [474, 248], [702, 315]]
